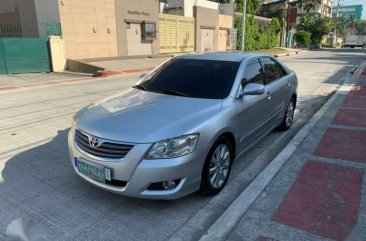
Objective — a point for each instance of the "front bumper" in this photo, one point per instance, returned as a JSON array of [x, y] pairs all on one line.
[[139, 173]]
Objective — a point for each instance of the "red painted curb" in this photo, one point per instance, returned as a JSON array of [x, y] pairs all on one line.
[[8, 88], [108, 73]]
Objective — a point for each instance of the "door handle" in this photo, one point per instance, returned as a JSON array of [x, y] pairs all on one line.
[[269, 95]]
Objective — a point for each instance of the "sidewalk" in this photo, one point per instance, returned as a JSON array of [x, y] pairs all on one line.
[[320, 191], [124, 65]]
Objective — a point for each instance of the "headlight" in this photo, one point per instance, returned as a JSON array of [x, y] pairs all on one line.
[[174, 147]]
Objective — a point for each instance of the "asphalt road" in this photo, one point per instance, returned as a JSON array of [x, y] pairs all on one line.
[[37, 181]]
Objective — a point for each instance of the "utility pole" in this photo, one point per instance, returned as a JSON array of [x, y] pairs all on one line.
[[243, 24], [233, 5], [335, 29]]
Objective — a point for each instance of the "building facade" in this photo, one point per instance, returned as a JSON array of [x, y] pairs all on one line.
[[88, 28], [348, 11], [137, 27], [324, 9], [113, 28], [213, 24]]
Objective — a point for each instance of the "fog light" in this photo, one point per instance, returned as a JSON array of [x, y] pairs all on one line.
[[168, 185]]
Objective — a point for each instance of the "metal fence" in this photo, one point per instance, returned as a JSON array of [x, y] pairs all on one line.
[[29, 30]]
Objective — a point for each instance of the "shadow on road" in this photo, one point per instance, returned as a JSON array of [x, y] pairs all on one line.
[[40, 184]]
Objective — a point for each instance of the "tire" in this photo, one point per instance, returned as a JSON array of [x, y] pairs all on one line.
[[289, 116], [212, 183]]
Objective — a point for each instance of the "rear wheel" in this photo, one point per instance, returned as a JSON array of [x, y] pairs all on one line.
[[289, 116], [217, 167]]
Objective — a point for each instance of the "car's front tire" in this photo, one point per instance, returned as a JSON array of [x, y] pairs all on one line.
[[217, 167], [289, 116]]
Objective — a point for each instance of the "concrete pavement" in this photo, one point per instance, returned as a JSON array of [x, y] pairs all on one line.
[[37, 181]]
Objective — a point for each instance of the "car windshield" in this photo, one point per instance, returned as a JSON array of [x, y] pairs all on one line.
[[209, 79]]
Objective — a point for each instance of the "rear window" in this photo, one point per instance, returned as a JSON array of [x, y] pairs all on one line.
[[207, 79]]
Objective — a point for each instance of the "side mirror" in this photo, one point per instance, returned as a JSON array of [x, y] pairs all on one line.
[[142, 75], [252, 89]]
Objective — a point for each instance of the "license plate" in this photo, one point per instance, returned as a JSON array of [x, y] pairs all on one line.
[[96, 172]]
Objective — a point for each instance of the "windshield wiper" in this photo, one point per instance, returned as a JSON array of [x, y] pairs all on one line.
[[173, 92], [140, 87]]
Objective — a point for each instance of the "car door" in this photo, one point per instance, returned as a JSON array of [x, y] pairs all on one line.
[[253, 110], [278, 88]]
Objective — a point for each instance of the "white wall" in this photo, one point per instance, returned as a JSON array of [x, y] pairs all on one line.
[[206, 4], [188, 5]]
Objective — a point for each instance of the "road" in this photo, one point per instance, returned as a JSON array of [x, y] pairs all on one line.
[[37, 181]]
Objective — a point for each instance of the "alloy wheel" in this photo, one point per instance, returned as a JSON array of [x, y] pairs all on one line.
[[219, 166]]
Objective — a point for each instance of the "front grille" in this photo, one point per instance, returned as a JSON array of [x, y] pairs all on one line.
[[106, 149]]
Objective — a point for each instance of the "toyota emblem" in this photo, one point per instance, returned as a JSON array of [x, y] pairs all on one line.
[[93, 141]]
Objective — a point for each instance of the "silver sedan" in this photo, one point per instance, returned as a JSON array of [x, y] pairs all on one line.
[[179, 129]]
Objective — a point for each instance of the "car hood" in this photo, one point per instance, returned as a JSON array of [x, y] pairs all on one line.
[[143, 117]]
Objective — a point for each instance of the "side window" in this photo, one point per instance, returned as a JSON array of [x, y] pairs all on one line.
[[253, 73], [271, 70], [283, 72]]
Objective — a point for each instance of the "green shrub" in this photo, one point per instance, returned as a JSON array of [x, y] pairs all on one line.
[[303, 38], [257, 36]]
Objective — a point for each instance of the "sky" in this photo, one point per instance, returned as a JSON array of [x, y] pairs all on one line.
[[352, 2]]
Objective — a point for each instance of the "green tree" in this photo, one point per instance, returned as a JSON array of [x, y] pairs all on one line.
[[352, 23], [340, 24], [361, 27], [316, 27], [306, 23], [252, 6]]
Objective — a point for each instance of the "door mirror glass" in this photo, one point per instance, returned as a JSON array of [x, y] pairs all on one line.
[[142, 75], [253, 89]]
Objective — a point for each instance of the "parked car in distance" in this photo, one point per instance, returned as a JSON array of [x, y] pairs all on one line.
[[179, 129]]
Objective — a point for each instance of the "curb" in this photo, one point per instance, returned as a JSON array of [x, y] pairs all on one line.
[[108, 73], [291, 53], [220, 230]]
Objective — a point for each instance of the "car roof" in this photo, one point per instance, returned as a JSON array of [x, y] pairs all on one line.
[[235, 56]]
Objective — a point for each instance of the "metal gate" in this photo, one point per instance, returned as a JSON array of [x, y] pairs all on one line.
[[176, 33], [24, 55]]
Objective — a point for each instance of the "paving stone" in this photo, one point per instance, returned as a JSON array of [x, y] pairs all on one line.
[[351, 117], [353, 101], [324, 200], [343, 144]]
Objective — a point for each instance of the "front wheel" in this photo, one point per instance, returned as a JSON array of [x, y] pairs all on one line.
[[289, 116], [217, 167]]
